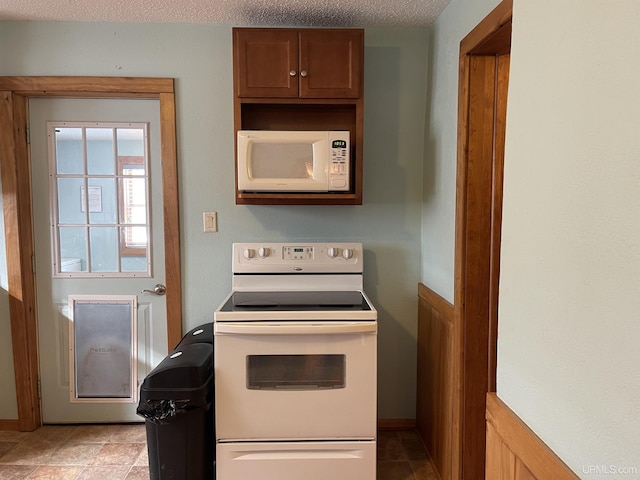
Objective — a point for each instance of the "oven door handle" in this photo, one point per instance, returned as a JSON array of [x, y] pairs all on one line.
[[307, 328]]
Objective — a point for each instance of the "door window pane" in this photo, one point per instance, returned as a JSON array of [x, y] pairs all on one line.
[[133, 206], [134, 264], [102, 200], [71, 201], [295, 372], [68, 145], [131, 142], [104, 249], [73, 249], [100, 151], [134, 200], [100, 185]]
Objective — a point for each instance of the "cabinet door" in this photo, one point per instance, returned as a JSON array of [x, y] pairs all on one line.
[[331, 63], [265, 62]]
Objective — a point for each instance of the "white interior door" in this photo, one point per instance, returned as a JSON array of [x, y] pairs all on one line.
[[98, 229]]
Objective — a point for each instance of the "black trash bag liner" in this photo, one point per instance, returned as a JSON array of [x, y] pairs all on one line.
[[162, 411], [158, 411], [181, 383]]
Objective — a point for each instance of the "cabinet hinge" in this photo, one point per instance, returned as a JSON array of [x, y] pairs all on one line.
[[33, 264], [39, 389], [28, 132]]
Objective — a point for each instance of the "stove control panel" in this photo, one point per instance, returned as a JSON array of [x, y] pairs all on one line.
[[297, 257], [297, 253]]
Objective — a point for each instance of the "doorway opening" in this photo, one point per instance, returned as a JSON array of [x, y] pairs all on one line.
[[17, 208]]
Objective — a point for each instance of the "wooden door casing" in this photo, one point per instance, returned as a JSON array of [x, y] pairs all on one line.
[[483, 82]]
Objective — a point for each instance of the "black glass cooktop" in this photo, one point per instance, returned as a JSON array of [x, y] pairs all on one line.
[[292, 301]]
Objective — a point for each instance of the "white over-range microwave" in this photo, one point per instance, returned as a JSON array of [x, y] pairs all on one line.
[[293, 161]]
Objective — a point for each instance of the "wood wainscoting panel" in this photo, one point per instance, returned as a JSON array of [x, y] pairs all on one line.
[[434, 403], [515, 452]]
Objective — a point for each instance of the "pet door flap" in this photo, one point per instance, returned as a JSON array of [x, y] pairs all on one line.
[[103, 348]]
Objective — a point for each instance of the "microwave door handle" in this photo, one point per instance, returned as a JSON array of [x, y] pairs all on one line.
[[309, 328]]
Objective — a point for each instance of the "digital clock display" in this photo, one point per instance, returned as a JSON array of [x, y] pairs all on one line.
[[339, 144], [304, 253]]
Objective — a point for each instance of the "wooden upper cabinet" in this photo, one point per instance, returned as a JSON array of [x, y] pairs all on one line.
[[265, 62], [289, 63], [331, 63], [301, 79]]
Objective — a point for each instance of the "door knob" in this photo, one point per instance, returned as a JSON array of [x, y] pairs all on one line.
[[159, 289]]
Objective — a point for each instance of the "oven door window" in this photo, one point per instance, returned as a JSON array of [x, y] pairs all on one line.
[[296, 372]]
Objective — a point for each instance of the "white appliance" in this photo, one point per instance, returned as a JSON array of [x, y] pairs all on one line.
[[287, 161], [295, 365]]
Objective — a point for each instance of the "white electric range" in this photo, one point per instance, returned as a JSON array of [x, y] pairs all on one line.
[[295, 365]]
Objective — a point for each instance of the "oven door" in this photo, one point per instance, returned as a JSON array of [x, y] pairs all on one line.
[[295, 381]]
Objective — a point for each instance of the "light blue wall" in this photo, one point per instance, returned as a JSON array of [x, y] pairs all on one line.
[[439, 187], [568, 331], [199, 57]]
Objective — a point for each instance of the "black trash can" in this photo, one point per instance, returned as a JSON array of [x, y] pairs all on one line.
[[176, 400], [200, 334]]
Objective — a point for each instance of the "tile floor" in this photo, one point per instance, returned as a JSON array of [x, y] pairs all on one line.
[[88, 452], [118, 452], [401, 456]]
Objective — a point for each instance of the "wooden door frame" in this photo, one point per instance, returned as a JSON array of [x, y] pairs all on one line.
[[482, 90], [15, 166]]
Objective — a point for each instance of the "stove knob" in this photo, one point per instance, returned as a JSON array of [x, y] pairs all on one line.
[[332, 252], [347, 253], [249, 253], [263, 252]]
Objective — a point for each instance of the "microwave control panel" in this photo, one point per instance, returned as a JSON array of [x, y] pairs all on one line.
[[339, 163]]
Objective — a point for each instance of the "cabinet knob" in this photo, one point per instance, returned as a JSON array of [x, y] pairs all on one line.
[[292, 73], [303, 73]]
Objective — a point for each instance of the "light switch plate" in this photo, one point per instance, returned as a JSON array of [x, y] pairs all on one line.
[[210, 221]]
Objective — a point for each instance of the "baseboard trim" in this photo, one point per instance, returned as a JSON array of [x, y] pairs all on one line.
[[397, 424], [13, 425]]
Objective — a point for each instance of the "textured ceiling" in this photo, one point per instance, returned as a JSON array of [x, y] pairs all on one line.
[[319, 13]]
